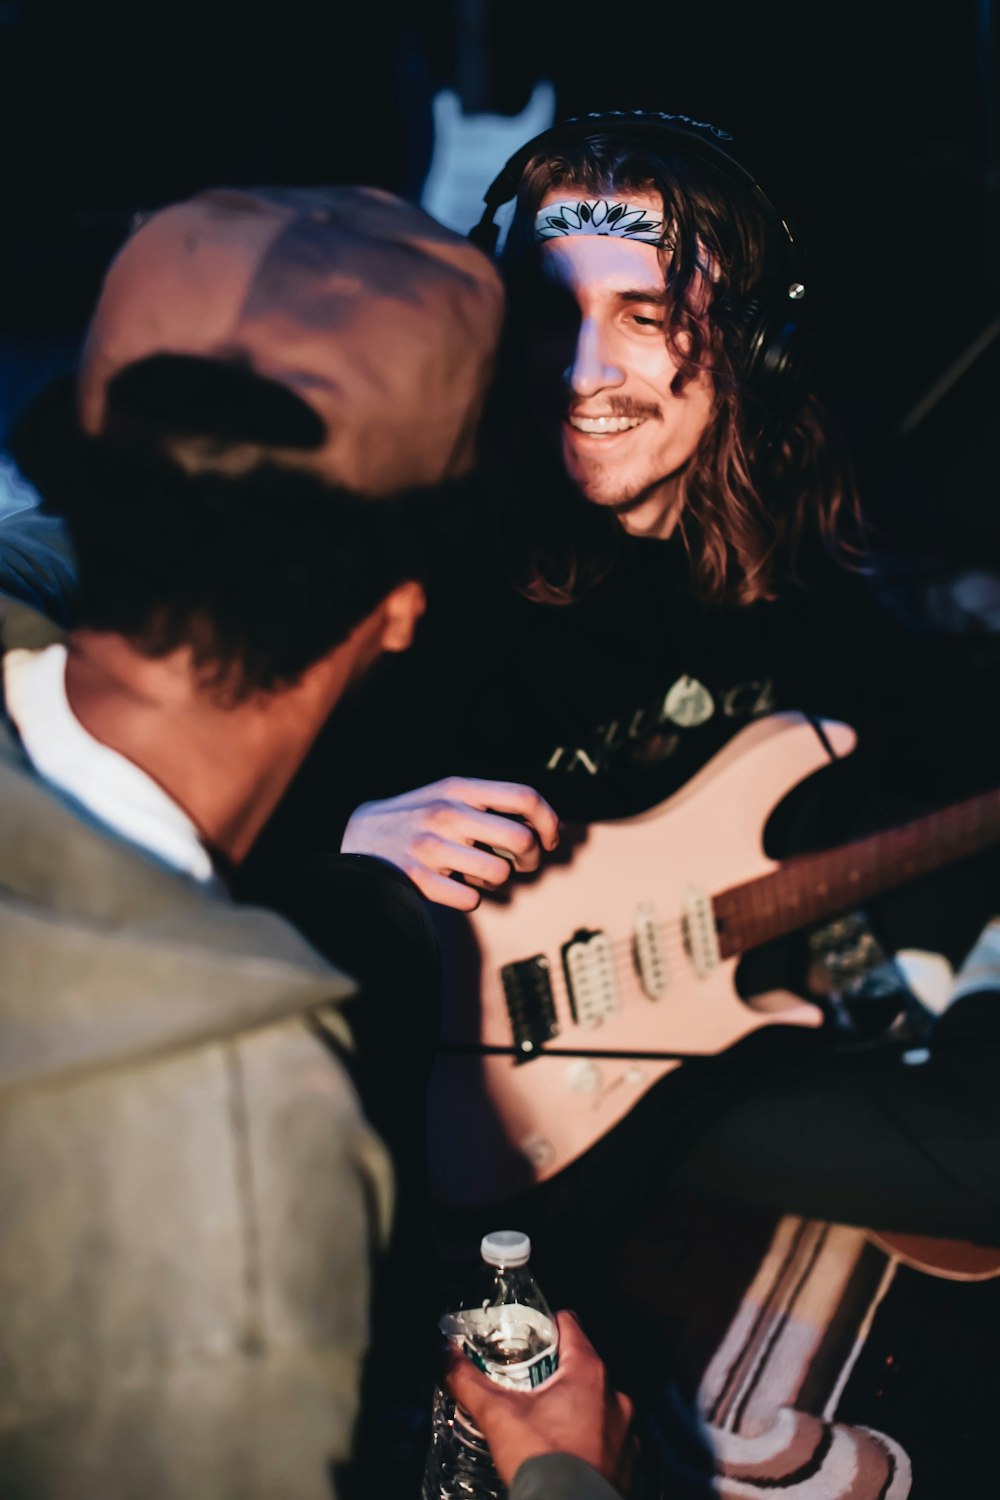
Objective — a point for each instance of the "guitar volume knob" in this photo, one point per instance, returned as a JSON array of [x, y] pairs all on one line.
[[539, 1151], [584, 1077]]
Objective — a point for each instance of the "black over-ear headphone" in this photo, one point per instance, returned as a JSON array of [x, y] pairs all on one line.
[[772, 337]]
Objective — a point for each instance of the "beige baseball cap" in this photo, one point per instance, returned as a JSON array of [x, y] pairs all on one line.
[[379, 318]]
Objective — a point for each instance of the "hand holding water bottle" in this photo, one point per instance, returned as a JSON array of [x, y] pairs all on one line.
[[575, 1411]]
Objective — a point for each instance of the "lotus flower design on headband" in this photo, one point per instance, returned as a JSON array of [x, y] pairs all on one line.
[[597, 216]]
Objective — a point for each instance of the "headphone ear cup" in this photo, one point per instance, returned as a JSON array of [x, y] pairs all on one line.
[[772, 363]]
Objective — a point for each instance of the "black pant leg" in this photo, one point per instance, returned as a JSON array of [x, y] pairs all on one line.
[[885, 1138], [369, 920]]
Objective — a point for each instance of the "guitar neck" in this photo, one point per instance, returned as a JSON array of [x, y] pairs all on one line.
[[809, 887]]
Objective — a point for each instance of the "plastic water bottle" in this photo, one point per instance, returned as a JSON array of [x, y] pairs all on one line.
[[503, 1323]]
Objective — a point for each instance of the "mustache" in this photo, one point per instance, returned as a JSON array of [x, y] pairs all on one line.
[[611, 405]]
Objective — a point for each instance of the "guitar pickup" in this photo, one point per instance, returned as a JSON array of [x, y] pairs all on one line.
[[588, 959], [649, 952], [701, 935], [527, 987]]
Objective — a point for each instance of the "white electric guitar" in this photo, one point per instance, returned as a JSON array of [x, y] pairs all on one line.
[[569, 993]]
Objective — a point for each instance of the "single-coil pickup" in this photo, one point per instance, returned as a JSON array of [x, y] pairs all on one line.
[[700, 932], [527, 987], [650, 957], [590, 975]]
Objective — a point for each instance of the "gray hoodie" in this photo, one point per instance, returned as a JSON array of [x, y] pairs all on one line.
[[189, 1193]]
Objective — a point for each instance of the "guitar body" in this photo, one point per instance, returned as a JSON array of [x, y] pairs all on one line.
[[606, 949], [952, 1260]]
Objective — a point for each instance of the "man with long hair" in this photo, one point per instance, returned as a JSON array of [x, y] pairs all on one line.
[[668, 409], [676, 552]]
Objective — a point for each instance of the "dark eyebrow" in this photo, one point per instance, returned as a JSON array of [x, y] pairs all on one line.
[[659, 298]]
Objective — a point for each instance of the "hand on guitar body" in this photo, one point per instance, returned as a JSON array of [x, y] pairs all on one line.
[[450, 828], [576, 1411]]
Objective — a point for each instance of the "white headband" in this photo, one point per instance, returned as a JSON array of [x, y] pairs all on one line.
[[612, 216]]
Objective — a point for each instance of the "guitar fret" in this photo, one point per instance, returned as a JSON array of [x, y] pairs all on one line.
[[808, 887]]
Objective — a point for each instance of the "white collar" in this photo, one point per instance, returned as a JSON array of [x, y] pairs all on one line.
[[108, 785]]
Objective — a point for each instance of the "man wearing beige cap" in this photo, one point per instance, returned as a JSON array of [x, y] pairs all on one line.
[[275, 389]]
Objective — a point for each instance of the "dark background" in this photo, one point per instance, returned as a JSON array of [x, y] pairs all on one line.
[[874, 127]]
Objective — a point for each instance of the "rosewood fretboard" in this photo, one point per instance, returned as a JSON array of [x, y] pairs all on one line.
[[809, 887]]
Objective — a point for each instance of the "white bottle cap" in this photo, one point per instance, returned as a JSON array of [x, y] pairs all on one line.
[[505, 1247]]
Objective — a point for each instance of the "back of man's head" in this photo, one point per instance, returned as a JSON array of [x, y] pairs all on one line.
[[273, 385]]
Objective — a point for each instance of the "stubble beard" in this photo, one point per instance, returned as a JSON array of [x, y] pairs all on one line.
[[611, 491]]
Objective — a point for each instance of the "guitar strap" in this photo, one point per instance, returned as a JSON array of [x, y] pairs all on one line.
[[822, 736]]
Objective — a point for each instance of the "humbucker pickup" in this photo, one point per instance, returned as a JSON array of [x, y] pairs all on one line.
[[589, 962], [527, 986]]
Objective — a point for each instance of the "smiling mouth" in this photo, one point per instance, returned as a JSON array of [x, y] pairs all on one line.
[[603, 426]]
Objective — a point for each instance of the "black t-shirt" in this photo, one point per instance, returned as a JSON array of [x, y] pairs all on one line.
[[610, 704]]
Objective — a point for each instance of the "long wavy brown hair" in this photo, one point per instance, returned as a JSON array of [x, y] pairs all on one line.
[[761, 483]]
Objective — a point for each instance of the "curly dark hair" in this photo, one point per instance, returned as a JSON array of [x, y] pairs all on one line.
[[260, 573], [760, 481]]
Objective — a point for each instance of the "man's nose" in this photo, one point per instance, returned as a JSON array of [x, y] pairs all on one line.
[[592, 369]]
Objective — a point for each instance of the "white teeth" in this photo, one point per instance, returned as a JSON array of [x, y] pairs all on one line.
[[604, 424]]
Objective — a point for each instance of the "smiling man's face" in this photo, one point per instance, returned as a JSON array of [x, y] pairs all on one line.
[[629, 424]]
